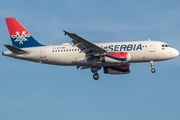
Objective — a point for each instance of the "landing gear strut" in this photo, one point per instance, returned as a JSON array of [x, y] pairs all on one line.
[[152, 66], [94, 70]]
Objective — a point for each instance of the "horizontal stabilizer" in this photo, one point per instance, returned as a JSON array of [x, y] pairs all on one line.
[[16, 50]]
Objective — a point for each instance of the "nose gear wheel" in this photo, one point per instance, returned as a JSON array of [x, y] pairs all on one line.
[[153, 70]]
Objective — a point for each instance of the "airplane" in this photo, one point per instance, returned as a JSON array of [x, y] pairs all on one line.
[[113, 57]]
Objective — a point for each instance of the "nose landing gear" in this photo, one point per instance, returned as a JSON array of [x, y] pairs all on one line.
[[153, 70], [152, 66]]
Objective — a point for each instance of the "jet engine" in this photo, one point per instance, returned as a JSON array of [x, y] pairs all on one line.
[[118, 57], [119, 69]]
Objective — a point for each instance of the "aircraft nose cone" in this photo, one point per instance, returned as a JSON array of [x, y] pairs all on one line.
[[176, 53]]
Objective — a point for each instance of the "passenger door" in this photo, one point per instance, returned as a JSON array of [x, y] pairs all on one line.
[[151, 46], [43, 52]]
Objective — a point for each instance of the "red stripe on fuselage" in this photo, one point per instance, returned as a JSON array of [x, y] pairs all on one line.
[[122, 55]]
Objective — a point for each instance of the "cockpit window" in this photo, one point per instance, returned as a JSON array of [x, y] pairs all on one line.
[[165, 45]]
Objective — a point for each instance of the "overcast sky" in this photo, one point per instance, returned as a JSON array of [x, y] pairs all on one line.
[[38, 91]]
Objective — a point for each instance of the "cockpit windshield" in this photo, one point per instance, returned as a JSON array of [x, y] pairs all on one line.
[[165, 45]]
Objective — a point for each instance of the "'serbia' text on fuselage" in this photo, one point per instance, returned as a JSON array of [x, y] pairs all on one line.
[[129, 47]]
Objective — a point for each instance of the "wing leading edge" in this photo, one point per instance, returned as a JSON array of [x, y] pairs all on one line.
[[85, 46]]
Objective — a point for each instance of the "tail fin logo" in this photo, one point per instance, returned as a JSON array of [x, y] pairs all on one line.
[[21, 38]]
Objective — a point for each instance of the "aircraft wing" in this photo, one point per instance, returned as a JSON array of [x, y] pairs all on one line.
[[84, 45]]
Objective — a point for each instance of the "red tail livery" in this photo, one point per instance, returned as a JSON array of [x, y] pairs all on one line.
[[20, 37]]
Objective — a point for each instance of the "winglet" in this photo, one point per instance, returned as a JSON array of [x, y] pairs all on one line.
[[65, 32]]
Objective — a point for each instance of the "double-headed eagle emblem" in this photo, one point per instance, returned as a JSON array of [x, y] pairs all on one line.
[[21, 38]]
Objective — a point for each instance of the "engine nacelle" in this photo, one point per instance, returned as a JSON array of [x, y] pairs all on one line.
[[119, 69], [118, 57]]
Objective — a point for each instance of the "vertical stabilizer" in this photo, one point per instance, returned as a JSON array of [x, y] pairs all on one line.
[[20, 37]]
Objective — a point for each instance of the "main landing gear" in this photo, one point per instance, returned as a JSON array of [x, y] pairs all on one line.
[[152, 66], [94, 70], [96, 76]]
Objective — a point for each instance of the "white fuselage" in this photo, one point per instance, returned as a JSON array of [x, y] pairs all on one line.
[[66, 54]]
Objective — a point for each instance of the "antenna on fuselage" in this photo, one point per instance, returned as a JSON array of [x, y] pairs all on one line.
[[149, 39]]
